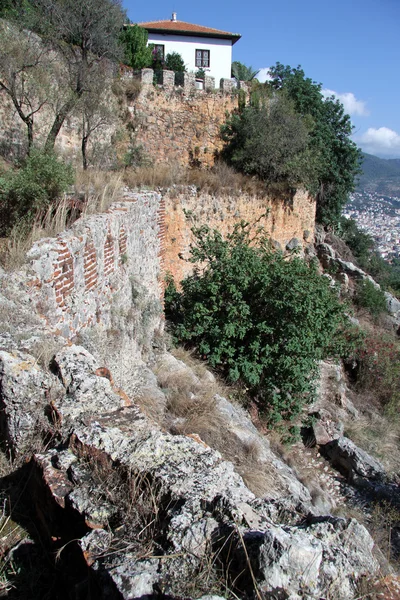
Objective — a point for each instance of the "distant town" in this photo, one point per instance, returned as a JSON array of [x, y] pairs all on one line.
[[378, 215]]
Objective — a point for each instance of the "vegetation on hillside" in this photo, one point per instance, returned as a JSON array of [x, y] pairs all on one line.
[[262, 320], [26, 194], [327, 161], [379, 175], [367, 256]]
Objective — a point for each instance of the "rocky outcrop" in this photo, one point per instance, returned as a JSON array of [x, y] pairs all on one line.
[[151, 511]]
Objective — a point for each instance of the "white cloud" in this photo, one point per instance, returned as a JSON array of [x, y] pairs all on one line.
[[263, 75], [351, 105], [380, 141]]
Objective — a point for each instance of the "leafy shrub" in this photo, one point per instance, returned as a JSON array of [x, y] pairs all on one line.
[[269, 141], [137, 54], [261, 319], [28, 192], [378, 371], [174, 62], [370, 297]]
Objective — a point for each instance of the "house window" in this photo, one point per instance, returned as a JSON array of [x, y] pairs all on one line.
[[202, 59], [159, 51]]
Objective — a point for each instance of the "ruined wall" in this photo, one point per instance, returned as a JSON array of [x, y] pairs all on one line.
[[289, 220], [76, 277]]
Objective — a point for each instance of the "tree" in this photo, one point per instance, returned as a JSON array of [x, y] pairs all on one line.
[[85, 33], [95, 107], [336, 156], [243, 73], [269, 140], [137, 54], [25, 73], [26, 194], [174, 62], [261, 319]]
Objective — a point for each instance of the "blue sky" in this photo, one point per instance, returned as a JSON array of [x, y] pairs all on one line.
[[352, 47]]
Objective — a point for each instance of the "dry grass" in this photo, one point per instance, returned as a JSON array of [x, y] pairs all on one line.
[[14, 248], [99, 189], [378, 436], [192, 408], [221, 179]]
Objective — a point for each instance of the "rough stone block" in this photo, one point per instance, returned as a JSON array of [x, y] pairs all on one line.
[[147, 76], [189, 81], [209, 83], [168, 79], [227, 85]]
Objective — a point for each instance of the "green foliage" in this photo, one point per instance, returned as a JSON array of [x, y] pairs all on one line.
[[200, 74], [269, 141], [370, 297], [378, 371], [359, 242], [243, 73], [261, 319], [364, 249], [27, 193], [335, 156], [137, 54], [174, 62]]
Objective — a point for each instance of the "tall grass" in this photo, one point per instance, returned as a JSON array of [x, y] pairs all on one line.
[[94, 192]]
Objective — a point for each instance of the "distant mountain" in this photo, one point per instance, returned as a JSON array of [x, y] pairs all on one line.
[[380, 175]]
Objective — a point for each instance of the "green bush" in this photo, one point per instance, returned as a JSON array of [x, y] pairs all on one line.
[[27, 193], [269, 141], [137, 54], [261, 319], [370, 297], [174, 62], [378, 371]]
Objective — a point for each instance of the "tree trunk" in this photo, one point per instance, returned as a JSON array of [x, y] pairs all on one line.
[[58, 123], [84, 155]]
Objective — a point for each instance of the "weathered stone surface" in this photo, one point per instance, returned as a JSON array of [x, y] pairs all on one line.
[[393, 306], [293, 244], [307, 562], [333, 406], [353, 461], [222, 212], [24, 394]]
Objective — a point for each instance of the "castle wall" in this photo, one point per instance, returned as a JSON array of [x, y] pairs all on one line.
[[181, 124], [284, 221], [78, 278]]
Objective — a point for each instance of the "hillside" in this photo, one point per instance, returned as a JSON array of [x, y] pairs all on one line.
[[380, 175]]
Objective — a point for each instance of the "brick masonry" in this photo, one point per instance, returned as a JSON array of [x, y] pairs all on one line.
[[74, 277]]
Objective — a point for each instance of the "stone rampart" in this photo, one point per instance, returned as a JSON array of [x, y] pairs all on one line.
[[289, 221], [75, 277]]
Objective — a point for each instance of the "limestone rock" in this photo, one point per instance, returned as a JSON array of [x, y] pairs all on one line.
[[306, 562], [353, 461], [24, 394]]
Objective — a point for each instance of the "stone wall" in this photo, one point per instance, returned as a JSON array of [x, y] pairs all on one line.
[[170, 123], [289, 221], [180, 124], [76, 277]]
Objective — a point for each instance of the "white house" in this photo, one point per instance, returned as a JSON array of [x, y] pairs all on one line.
[[200, 47]]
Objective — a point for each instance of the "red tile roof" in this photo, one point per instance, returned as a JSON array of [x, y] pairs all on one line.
[[183, 28]]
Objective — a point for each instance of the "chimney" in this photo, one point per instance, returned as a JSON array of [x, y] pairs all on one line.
[[173, 16]]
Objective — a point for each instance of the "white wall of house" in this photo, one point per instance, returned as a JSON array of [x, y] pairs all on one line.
[[220, 52]]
